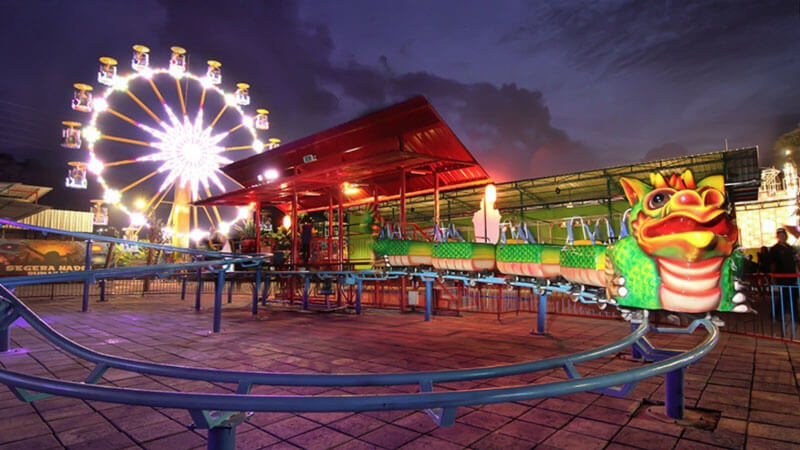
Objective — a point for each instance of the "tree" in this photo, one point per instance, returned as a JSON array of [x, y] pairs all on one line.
[[789, 140]]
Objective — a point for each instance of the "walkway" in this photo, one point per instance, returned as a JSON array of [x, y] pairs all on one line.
[[753, 382]]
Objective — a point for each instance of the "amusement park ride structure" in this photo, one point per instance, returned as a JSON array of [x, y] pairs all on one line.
[[183, 150]]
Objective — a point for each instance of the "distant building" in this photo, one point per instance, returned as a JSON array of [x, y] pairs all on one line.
[[777, 206]]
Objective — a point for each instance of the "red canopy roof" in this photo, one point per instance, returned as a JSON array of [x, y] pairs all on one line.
[[370, 153]]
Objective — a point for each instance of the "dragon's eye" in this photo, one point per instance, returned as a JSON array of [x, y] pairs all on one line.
[[659, 199]]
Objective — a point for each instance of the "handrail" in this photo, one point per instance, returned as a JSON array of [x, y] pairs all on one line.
[[122, 272], [423, 400], [95, 237], [295, 379]]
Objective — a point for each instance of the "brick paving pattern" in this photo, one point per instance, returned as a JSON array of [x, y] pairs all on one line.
[[752, 382]]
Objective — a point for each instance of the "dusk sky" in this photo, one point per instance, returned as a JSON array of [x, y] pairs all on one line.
[[531, 88]]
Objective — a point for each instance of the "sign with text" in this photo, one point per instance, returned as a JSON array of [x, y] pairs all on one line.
[[40, 256]]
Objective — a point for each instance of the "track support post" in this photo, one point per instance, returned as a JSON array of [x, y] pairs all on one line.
[[359, 289], [86, 283], [222, 438], [102, 290], [183, 287], [5, 339], [199, 291], [306, 290], [428, 299], [674, 395], [541, 315], [220, 286], [257, 283]]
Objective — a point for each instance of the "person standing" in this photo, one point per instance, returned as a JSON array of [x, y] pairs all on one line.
[[782, 258]]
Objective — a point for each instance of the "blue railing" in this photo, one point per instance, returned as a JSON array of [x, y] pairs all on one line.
[[221, 413]]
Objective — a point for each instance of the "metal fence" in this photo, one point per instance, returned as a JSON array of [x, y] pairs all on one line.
[[777, 305]]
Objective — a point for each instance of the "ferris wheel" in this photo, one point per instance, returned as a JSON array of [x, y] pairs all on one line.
[[159, 131]]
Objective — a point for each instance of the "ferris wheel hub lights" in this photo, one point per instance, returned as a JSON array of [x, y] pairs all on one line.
[[258, 146], [112, 196], [91, 134], [247, 121], [100, 104], [242, 212]]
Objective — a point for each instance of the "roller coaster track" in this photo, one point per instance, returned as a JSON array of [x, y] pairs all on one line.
[[221, 413]]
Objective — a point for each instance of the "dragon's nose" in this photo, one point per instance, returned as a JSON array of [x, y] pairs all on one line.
[[710, 198], [687, 198]]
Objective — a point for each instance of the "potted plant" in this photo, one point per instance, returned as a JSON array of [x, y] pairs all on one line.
[[279, 238], [246, 233]]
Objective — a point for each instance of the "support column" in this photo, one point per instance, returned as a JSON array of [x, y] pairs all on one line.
[[86, 284], [673, 395], [103, 290], [257, 222], [359, 291], [199, 291], [183, 287], [403, 281], [436, 203], [293, 260], [5, 339], [221, 438], [306, 289], [257, 282], [341, 234], [330, 231], [428, 299], [218, 300], [541, 316]]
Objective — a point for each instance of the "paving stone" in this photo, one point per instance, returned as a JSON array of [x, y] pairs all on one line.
[[645, 439], [357, 424], [43, 441], [567, 440], [526, 430], [320, 438], [460, 433], [500, 441], [592, 428], [389, 436]]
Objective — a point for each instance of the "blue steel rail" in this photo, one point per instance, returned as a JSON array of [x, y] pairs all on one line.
[[220, 413]]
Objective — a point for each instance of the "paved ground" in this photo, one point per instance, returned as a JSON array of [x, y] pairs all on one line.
[[753, 382]]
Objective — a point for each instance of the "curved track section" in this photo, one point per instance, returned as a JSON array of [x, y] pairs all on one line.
[[221, 413]]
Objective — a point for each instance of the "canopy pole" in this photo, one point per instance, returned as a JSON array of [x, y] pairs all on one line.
[[294, 231], [257, 222], [435, 202], [330, 230], [403, 280], [341, 230]]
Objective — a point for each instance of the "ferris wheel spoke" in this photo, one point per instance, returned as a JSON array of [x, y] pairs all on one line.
[[235, 128], [160, 195], [230, 178], [238, 147], [219, 114], [202, 99], [124, 140], [139, 181], [205, 210], [157, 92], [123, 117], [180, 96], [214, 207], [143, 106], [120, 163], [194, 213]]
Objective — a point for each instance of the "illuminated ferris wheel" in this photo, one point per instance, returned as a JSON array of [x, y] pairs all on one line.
[[161, 131]]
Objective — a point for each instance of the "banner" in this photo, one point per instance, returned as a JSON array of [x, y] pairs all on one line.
[[40, 256]]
